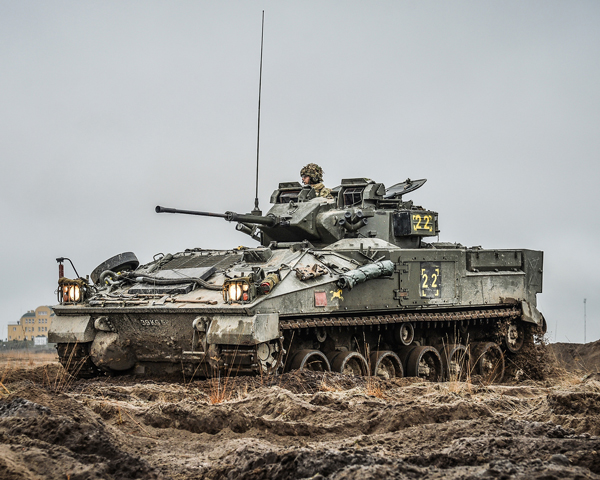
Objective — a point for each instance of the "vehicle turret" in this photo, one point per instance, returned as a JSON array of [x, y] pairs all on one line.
[[360, 208]]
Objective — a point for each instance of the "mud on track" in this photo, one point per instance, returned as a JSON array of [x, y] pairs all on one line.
[[299, 425]]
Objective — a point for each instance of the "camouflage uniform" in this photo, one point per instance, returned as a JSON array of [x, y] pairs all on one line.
[[322, 191], [315, 174]]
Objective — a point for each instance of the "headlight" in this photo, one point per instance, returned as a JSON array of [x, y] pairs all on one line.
[[71, 291], [238, 290], [235, 291]]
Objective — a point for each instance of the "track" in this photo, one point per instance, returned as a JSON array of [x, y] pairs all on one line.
[[433, 345], [467, 318], [75, 358]]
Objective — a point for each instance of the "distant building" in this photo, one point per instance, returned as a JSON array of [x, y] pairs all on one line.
[[35, 323]]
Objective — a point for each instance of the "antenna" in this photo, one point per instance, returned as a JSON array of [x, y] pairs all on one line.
[[257, 210], [584, 320]]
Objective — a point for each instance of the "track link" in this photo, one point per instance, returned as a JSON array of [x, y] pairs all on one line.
[[468, 316], [75, 358]]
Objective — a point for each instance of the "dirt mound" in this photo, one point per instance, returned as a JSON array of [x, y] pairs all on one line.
[[297, 425], [535, 361], [57, 432], [52, 373], [578, 357]]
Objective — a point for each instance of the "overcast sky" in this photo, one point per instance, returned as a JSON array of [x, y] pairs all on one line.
[[108, 108]]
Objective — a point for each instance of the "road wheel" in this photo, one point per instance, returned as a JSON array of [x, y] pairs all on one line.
[[456, 362], [313, 360], [488, 361], [386, 365], [426, 363], [349, 363]]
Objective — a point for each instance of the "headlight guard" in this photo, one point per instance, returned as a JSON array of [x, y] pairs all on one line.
[[71, 291], [239, 290]]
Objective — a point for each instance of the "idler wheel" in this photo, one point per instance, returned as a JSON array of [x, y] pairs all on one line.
[[424, 362], [386, 365], [405, 333], [349, 363], [313, 360], [489, 361], [514, 337], [456, 362]]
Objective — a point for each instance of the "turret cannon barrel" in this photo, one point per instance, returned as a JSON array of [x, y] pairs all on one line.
[[269, 220]]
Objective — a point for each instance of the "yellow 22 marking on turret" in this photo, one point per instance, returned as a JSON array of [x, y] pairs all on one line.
[[424, 222]]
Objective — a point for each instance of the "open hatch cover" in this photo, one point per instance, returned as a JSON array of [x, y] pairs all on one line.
[[405, 187]]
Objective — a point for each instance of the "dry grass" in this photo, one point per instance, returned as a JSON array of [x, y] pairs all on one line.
[[461, 386], [22, 360], [4, 389], [565, 379], [63, 379], [59, 381], [26, 359], [221, 390], [373, 388], [219, 386], [218, 391], [324, 387], [241, 392]]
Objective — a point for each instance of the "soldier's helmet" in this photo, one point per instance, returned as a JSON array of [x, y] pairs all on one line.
[[314, 172]]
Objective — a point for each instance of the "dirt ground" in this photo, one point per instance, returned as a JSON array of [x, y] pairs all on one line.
[[542, 423], [578, 357]]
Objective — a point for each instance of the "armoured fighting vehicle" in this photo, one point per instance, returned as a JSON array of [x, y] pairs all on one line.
[[355, 284]]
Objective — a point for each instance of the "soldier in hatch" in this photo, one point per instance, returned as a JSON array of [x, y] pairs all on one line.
[[312, 175]]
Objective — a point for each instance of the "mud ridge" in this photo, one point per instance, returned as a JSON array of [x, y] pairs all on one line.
[[298, 425]]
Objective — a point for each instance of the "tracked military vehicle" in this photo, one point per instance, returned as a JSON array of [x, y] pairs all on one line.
[[355, 284]]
